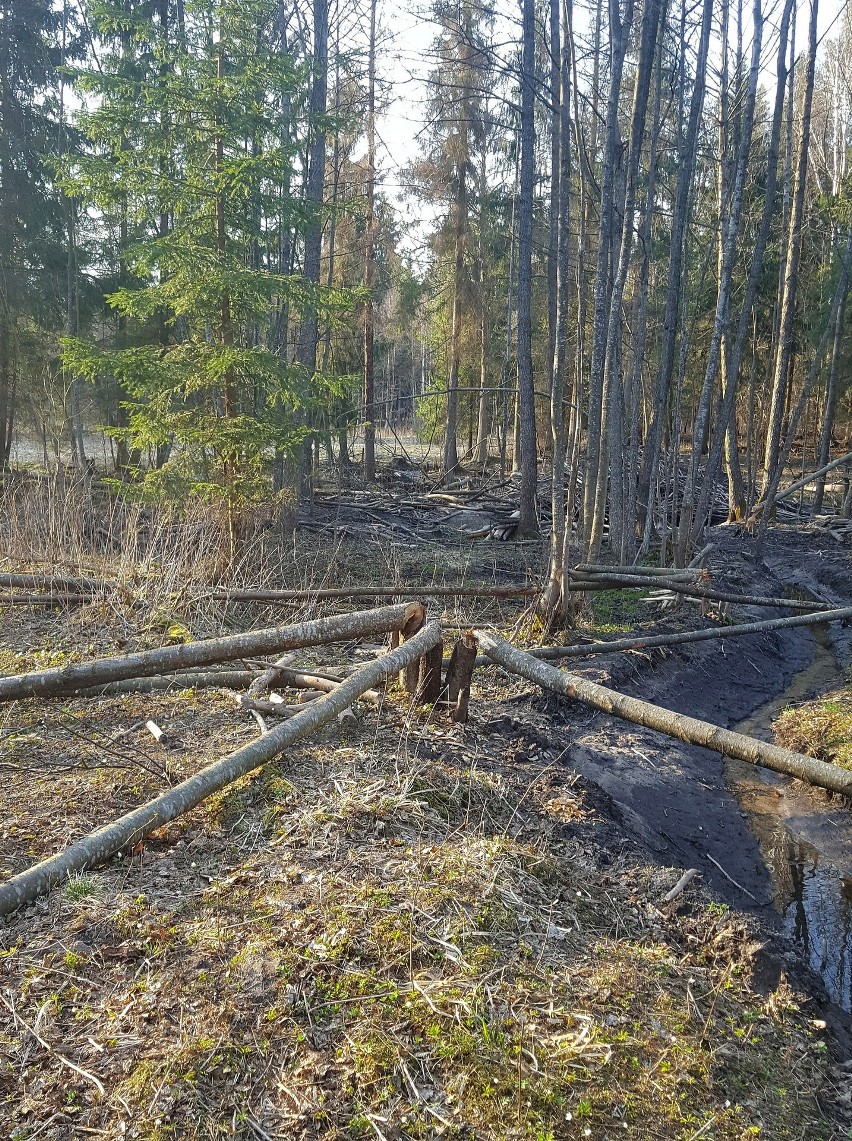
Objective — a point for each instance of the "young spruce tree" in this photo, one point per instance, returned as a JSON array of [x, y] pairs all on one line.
[[192, 157]]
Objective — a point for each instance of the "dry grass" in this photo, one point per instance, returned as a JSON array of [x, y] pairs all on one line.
[[821, 728], [406, 936], [413, 931]]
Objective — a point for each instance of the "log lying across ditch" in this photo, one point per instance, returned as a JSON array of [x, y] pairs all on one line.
[[105, 842], [146, 663], [683, 728], [641, 582], [643, 642]]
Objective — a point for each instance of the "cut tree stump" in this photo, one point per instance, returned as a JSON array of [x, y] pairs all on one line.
[[431, 667], [459, 674]]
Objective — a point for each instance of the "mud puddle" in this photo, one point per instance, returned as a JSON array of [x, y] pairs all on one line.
[[805, 841]]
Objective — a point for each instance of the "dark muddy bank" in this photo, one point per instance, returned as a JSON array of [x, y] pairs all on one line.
[[685, 804]]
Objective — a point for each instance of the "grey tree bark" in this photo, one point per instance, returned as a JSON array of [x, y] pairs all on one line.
[[784, 354], [105, 842], [688, 729], [146, 663], [528, 515], [611, 444], [663, 380]]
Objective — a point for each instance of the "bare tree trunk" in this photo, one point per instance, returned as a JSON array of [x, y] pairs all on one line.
[[483, 420], [764, 509], [791, 271], [619, 35], [728, 241], [528, 521], [552, 602], [726, 413], [370, 261], [611, 430], [665, 372], [306, 347], [830, 408], [451, 457]]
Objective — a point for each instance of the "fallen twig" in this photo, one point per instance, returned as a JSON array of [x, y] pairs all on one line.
[[681, 885]]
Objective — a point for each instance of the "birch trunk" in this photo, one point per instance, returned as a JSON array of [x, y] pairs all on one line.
[[146, 663], [682, 728]]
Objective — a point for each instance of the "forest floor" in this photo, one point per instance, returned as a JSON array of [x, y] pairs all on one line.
[[413, 929]]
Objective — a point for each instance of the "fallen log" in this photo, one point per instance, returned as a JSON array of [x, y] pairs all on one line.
[[595, 569], [683, 728], [338, 628], [129, 829], [402, 590], [606, 582], [162, 683], [53, 583], [806, 479], [44, 599], [584, 650]]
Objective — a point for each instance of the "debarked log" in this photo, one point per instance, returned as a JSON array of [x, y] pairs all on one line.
[[318, 631], [129, 829], [683, 728]]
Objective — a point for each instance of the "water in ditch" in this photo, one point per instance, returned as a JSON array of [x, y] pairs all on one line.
[[806, 840]]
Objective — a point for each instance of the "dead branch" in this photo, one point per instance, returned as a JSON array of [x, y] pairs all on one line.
[[338, 628], [44, 599], [681, 885], [264, 681], [589, 649], [401, 590], [688, 729], [54, 583], [606, 582], [129, 829], [297, 679]]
